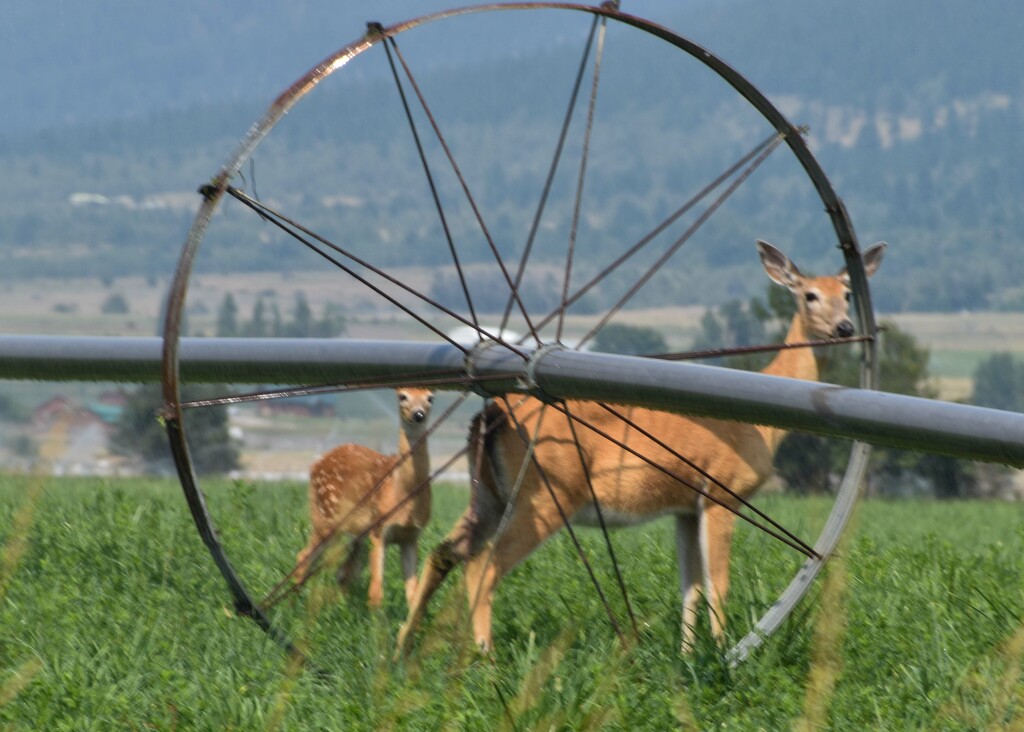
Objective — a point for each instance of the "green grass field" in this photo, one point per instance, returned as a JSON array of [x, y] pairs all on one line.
[[112, 616]]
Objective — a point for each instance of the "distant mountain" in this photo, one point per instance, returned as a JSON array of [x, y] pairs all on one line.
[[70, 63], [915, 111]]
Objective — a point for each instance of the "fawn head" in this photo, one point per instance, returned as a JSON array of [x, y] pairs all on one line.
[[823, 303], [414, 404]]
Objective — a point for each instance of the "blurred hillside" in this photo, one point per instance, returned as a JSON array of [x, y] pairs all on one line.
[[115, 113]]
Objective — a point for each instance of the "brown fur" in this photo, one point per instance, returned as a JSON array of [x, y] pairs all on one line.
[[352, 488], [628, 489]]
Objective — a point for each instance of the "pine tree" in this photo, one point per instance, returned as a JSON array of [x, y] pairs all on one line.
[[257, 326], [227, 317], [302, 322], [138, 433]]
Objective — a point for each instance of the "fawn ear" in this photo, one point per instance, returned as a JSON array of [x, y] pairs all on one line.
[[872, 258], [778, 266]]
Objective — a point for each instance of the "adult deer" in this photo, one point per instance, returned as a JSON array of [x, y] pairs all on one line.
[[358, 491], [628, 489]]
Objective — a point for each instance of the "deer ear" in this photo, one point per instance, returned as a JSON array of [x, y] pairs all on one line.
[[778, 266], [872, 258]]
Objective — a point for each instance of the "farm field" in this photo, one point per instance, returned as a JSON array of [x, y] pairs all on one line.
[[112, 616], [958, 342]]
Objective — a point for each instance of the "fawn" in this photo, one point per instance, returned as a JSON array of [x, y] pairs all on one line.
[[360, 492]]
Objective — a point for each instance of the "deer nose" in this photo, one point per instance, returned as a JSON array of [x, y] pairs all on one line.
[[418, 416], [844, 329]]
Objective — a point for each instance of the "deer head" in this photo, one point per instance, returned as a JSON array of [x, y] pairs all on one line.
[[414, 404], [823, 303]]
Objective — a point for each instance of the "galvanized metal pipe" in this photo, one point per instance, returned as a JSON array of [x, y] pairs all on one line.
[[218, 360], [878, 418]]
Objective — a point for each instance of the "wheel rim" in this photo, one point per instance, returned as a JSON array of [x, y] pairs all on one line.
[[589, 73]]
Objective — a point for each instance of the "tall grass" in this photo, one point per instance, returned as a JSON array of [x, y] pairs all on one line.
[[113, 617]]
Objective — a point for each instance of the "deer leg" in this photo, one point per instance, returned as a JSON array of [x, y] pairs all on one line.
[[691, 574], [301, 559], [306, 558], [464, 540], [376, 592], [410, 559], [350, 568], [716, 529], [526, 530]]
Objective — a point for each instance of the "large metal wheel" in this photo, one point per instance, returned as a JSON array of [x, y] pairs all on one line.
[[541, 216]]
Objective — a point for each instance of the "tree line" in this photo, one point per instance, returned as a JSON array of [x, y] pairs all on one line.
[[266, 320]]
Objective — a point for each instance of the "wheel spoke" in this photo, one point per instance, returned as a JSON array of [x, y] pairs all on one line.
[[300, 234], [779, 532], [312, 562], [577, 206], [419, 378], [530, 443], [747, 350], [476, 439], [701, 220], [656, 231], [600, 518], [552, 169], [286, 586], [465, 189], [430, 181]]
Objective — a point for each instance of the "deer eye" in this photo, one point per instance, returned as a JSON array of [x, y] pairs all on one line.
[[811, 296], [403, 397], [430, 399]]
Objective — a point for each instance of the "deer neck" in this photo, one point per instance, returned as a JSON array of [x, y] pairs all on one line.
[[413, 470], [794, 363]]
